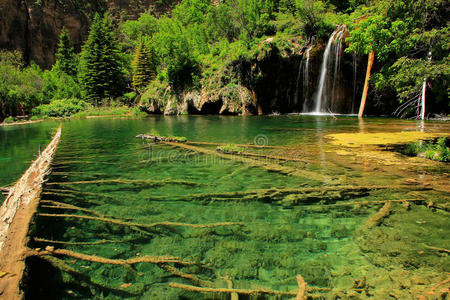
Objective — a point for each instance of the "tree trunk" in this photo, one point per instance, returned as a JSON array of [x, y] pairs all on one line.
[[422, 102], [424, 91], [366, 84]]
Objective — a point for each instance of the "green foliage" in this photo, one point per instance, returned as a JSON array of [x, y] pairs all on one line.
[[60, 85], [111, 110], [20, 88], [312, 15], [436, 150], [101, 75], [9, 120], [60, 108], [402, 35], [65, 56], [143, 68]]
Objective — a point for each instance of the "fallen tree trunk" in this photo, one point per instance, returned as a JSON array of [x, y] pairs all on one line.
[[291, 196], [377, 218], [15, 216], [302, 173], [258, 291]]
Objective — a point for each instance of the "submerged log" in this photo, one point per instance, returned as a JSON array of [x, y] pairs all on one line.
[[377, 218], [291, 196], [15, 216], [260, 291], [261, 155], [156, 138], [270, 166]]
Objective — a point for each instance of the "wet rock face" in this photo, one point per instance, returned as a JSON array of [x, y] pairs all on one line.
[[33, 27]]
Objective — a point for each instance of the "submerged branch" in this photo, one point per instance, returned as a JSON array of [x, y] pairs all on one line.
[[128, 181], [157, 224], [261, 291], [272, 167], [76, 243], [174, 271], [436, 248], [60, 205], [104, 260]]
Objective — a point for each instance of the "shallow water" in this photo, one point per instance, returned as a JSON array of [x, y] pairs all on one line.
[[279, 239]]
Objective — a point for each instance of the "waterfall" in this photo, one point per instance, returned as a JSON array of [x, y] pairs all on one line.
[[306, 78], [333, 49], [303, 72]]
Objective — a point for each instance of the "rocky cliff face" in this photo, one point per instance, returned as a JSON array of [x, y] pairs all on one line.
[[33, 26]]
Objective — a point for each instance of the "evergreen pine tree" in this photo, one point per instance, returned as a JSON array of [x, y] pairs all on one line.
[[143, 67], [101, 74], [65, 56]]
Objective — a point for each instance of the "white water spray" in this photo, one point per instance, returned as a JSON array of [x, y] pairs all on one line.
[[335, 43]]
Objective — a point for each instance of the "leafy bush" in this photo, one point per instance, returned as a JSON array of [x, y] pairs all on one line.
[[9, 120], [435, 150], [60, 108]]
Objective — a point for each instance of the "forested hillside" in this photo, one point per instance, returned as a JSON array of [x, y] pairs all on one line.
[[240, 57]]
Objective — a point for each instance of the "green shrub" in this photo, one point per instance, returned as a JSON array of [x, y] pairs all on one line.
[[9, 120], [434, 150], [60, 108]]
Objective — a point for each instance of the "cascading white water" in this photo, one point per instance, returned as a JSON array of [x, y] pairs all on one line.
[[306, 77], [334, 45], [303, 72]]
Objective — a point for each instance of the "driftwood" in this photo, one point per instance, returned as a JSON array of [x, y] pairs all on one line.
[[240, 145], [291, 196], [174, 271], [149, 182], [267, 156], [60, 264], [301, 288], [260, 291], [71, 162], [436, 248], [175, 140], [156, 138], [103, 260], [377, 218], [73, 193], [41, 240], [61, 205], [157, 224], [297, 172]]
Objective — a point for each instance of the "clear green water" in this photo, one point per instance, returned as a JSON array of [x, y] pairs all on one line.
[[319, 241], [18, 146]]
